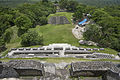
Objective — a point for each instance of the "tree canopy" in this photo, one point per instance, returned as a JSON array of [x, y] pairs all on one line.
[[31, 38]]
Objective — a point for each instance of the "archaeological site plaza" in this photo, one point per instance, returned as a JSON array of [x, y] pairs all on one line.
[[60, 50]]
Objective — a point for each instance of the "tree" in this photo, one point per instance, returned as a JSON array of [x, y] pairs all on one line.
[[8, 35], [31, 38], [23, 23], [63, 4], [93, 33], [98, 14], [2, 44], [71, 5], [44, 1], [78, 14], [5, 22]]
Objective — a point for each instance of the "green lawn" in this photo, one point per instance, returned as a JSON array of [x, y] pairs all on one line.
[[57, 34]]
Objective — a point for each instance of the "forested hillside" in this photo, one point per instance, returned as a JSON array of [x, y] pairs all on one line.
[[100, 3], [13, 3], [24, 18]]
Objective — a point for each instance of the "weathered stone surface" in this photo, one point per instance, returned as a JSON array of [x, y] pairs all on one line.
[[8, 72], [97, 68], [59, 71], [27, 67], [58, 20]]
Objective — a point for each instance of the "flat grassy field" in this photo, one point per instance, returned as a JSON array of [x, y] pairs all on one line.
[[57, 34]]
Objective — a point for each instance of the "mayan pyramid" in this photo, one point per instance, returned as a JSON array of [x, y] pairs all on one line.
[[58, 20]]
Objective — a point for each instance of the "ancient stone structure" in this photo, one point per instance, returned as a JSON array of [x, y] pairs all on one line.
[[27, 67], [54, 71], [58, 20], [107, 70], [7, 72], [59, 50], [17, 68]]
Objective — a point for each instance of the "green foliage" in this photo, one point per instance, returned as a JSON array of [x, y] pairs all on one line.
[[100, 3], [44, 1], [78, 14], [108, 34], [2, 42], [63, 4], [23, 23], [8, 35], [31, 38], [25, 16], [93, 33], [37, 12], [5, 22], [70, 5]]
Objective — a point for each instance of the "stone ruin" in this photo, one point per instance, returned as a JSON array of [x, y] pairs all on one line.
[[60, 50], [17, 68], [58, 20], [50, 71], [107, 70]]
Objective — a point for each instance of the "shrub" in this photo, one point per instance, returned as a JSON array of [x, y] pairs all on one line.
[[31, 38]]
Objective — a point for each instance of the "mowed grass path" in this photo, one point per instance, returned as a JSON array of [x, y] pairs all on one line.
[[57, 34]]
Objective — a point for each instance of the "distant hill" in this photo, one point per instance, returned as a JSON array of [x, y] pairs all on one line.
[[100, 3], [16, 2]]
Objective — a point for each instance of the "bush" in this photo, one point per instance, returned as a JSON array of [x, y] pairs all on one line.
[[23, 23], [31, 38]]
